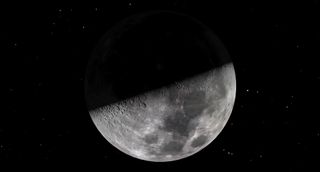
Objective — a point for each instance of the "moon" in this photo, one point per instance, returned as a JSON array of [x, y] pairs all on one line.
[[162, 102]]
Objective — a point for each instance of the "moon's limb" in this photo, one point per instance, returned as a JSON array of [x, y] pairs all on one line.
[[147, 127]]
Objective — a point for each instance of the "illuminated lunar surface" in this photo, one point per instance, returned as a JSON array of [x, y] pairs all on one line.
[[173, 122]]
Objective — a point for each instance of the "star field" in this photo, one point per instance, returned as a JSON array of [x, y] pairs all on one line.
[[274, 47]]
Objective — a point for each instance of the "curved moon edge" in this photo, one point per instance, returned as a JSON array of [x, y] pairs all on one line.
[[170, 123]]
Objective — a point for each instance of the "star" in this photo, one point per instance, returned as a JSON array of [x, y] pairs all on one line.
[[300, 70], [230, 153], [2, 148]]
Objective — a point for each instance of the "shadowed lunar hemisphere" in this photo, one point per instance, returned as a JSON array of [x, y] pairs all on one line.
[[171, 121]]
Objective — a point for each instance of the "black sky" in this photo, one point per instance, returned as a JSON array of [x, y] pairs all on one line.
[[274, 47]]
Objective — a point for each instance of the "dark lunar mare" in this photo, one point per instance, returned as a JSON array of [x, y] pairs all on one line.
[[199, 141], [173, 147], [179, 123], [194, 103], [151, 138]]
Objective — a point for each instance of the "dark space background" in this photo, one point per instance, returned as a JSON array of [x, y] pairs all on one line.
[[275, 49]]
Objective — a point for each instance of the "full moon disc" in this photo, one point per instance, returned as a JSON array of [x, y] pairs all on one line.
[[160, 86]]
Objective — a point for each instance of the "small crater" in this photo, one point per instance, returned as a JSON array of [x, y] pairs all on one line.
[[143, 104], [199, 141]]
